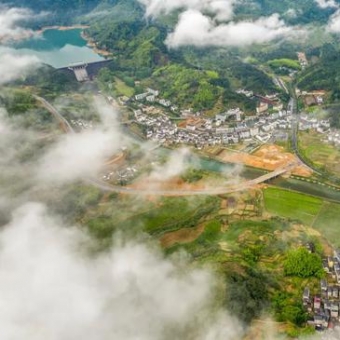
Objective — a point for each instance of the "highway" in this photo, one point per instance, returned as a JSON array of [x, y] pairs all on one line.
[[166, 192]]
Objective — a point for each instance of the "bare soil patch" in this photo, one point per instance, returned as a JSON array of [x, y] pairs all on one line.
[[184, 235], [268, 157]]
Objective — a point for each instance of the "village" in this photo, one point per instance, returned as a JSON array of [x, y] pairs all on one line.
[[323, 307], [168, 125]]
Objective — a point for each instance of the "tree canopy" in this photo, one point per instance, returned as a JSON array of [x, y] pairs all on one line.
[[302, 263]]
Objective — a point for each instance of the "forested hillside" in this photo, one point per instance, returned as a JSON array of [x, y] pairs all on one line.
[[140, 53], [325, 72], [295, 12], [56, 5]]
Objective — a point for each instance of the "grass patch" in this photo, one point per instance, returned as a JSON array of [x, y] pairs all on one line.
[[319, 152], [123, 89], [284, 62], [166, 215], [174, 213], [327, 223], [292, 205]]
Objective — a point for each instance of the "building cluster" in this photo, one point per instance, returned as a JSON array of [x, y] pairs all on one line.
[[302, 59], [229, 127], [269, 123], [81, 124], [211, 131], [324, 307], [151, 96], [333, 137], [320, 125], [312, 98], [159, 127], [269, 102], [120, 175]]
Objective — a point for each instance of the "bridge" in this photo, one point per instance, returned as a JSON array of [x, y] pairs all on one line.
[[169, 192], [228, 189]]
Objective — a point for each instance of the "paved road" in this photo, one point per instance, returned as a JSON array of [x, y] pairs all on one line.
[[281, 84], [198, 192], [49, 107], [161, 192]]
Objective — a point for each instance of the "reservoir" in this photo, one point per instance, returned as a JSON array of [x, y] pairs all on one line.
[[58, 48]]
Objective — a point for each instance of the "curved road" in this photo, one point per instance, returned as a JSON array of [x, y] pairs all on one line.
[[64, 123], [193, 192], [129, 190]]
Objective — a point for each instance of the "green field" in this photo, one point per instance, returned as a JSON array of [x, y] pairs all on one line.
[[284, 62], [292, 205], [318, 152], [123, 89], [168, 214], [328, 222]]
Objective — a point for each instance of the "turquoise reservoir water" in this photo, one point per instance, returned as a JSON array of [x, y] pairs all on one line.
[[58, 48]]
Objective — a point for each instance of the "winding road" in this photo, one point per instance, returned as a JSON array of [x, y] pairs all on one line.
[[166, 192], [66, 126]]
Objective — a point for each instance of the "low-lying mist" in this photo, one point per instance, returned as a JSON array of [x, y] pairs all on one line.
[[51, 288], [55, 287]]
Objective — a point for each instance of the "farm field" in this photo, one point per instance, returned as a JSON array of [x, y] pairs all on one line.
[[321, 215], [328, 223], [291, 205], [320, 153], [122, 88]]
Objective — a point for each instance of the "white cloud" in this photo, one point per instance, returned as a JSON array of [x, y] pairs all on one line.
[[107, 114], [13, 66], [326, 3], [77, 156], [196, 29], [10, 19], [80, 155], [26, 166], [222, 9], [176, 164], [334, 22], [200, 24], [15, 144], [52, 290]]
